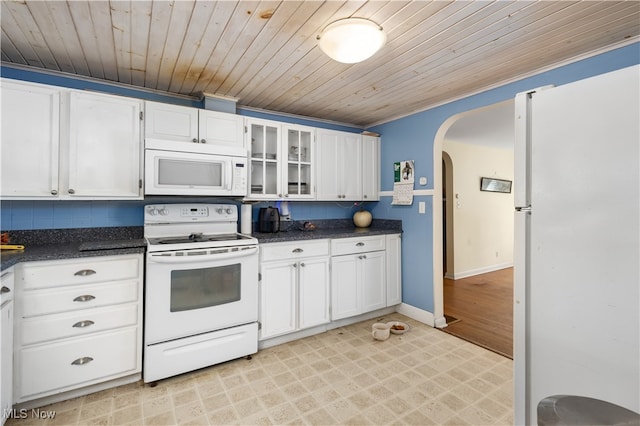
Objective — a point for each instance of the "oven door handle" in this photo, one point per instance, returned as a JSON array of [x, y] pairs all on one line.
[[163, 258]]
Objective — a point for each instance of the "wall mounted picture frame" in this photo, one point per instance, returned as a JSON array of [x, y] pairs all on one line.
[[495, 185]]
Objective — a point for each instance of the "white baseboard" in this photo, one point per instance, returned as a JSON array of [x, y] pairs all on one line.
[[478, 271], [417, 314]]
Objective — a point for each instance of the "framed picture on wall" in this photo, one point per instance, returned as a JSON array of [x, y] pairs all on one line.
[[495, 185]]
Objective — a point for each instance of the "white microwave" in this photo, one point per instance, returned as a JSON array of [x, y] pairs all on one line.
[[194, 174]]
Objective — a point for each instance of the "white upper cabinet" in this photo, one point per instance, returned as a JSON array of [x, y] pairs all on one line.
[[264, 140], [370, 168], [29, 151], [104, 151], [298, 166], [170, 122], [339, 162], [60, 143], [166, 126]]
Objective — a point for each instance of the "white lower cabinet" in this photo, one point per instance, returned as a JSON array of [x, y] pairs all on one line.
[[294, 287], [394, 269], [79, 327], [358, 276], [6, 341]]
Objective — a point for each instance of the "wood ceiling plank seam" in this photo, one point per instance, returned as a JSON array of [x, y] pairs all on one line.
[[453, 15], [121, 24], [585, 33], [140, 30], [160, 17], [272, 83], [60, 16], [84, 27], [263, 47], [207, 45], [527, 65], [228, 68], [436, 62], [42, 15], [181, 14], [101, 17], [435, 51], [476, 20], [200, 18], [316, 89], [279, 31], [10, 52], [15, 45], [313, 58], [28, 27], [232, 29]]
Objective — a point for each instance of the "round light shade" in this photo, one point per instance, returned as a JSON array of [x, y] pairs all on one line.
[[351, 40]]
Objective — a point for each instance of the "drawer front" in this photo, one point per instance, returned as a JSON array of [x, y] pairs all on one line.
[[75, 363], [294, 250], [357, 245], [41, 302], [79, 271], [60, 326]]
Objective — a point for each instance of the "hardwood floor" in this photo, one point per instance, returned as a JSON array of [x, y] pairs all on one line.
[[483, 304]]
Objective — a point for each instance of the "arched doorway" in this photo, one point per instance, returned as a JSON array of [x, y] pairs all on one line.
[[443, 203]]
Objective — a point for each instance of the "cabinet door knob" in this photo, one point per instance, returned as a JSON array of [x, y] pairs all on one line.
[[83, 324], [85, 272], [5, 289], [295, 265], [82, 361], [360, 244], [54, 192], [84, 298], [365, 196], [302, 265], [194, 140], [72, 191], [203, 141], [298, 250]]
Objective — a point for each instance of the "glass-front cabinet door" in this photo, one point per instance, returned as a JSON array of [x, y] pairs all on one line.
[[264, 137], [298, 170]]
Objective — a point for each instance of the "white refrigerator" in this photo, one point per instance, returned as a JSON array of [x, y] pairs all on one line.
[[577, 239]]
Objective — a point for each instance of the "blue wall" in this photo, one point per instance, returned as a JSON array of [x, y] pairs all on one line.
[[412, 138]]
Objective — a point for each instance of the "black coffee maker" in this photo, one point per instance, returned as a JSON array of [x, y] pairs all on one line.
[[269, 220]]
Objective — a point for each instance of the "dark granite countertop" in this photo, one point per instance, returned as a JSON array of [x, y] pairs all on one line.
[[56, 244], [336, 228]]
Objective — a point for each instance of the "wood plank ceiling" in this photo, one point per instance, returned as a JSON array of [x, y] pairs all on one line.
[[264, 53]]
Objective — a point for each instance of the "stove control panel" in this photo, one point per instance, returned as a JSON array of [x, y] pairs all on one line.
[[177, 213], [194, 211]]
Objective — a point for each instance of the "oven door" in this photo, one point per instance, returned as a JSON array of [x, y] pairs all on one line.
[[195, 291]]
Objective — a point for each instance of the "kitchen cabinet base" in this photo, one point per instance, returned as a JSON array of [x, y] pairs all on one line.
[[63, 396], [278, 340]]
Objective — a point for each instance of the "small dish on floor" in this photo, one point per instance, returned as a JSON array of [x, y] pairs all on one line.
[[397, 327]]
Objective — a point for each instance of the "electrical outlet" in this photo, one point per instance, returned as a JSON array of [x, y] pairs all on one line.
[[422, 208]]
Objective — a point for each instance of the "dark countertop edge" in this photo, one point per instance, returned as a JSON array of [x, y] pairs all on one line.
[[10, 258], [296, 235]]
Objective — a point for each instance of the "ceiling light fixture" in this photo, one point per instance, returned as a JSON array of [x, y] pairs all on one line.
[[351, 40]]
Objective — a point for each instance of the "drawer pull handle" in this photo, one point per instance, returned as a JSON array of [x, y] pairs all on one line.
[[298, 250], [83, 324], [84, 298], [82, 361], [360, 245], [84, 272], [5, 289]]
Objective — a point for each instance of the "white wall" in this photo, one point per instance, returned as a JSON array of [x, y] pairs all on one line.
[[482, 221]]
